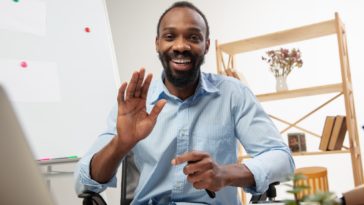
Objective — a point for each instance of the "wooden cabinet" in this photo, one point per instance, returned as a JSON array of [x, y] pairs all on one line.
[[343, 88]]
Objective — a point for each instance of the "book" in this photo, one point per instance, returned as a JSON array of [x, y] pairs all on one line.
[[297, 142], [326, 132], [338, 133]]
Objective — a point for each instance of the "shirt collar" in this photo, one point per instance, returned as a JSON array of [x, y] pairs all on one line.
[[159, 91]]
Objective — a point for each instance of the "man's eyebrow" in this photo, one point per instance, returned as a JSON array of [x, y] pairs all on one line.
[[192, 29], [168, 29], [195, 29]]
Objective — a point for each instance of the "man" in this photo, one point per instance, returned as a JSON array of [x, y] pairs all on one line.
[[183, 130]]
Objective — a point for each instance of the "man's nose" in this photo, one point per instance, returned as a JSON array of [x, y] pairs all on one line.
[[181, 45]]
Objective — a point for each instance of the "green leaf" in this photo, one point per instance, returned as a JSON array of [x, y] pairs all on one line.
[[324, 198], [290, 202], [297, 190], [299, 177]]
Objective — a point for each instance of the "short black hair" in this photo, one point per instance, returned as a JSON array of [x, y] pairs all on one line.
[[185, 4]]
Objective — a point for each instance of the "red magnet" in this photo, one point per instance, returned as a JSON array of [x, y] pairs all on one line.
[[87, 29]]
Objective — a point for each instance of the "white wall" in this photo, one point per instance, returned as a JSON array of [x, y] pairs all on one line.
[[134, 28]]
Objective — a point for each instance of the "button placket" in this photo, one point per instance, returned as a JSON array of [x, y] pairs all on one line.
[[182, 147]]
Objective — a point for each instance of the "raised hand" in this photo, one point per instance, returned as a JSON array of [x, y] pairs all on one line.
[[133, 121]]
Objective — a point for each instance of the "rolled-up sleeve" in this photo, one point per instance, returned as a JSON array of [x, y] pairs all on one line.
[[271, 166], [271, 159], [82, 176]]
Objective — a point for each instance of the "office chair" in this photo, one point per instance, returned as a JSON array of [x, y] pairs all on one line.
[[128, 167], [92, 198], [268, 196]]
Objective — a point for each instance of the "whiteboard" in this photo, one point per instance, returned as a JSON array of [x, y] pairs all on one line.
[[58, 65]]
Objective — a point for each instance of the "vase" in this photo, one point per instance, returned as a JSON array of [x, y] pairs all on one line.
[[281, 83]]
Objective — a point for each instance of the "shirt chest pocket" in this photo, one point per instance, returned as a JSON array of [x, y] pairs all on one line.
[[216, 139]]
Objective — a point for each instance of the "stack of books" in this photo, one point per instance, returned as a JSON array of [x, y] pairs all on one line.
[[333, 133]]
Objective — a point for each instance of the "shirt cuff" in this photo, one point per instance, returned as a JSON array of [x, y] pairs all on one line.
[[269, 167], [260, 177], [84, 181]]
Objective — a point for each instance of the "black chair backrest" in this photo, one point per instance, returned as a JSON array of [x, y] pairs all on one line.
[[92, 198], [269, 195], [129, 180]]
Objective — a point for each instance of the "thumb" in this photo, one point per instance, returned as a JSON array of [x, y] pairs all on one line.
[[157, 109]]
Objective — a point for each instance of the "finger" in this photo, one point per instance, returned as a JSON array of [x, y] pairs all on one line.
[[132, 85], [192, 178], [139, 83], [190, 157], [121, 93], [146, 85], [199, 166], [156, 110], [200, 185], [203, 181]]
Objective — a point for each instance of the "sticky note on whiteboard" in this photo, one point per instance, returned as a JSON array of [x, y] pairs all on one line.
[[37, 82], [24, 16]]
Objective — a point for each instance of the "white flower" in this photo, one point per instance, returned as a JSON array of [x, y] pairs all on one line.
[[282, 61]]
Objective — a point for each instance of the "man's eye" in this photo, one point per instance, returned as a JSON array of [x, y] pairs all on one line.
[[168, 37], [195, 38]]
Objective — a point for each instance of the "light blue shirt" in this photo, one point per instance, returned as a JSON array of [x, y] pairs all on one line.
[[221, 113]]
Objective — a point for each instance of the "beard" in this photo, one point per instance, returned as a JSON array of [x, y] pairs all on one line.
[[181, 79]]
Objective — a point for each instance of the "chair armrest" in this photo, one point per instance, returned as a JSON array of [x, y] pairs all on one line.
[[269, 195], [91, 198]]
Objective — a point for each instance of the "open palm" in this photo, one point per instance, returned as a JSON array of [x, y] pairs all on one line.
[[133, 121]]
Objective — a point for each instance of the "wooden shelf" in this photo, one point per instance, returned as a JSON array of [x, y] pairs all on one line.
[[318, 90], [320, 152], [297, 154], [226, 64], [282, 37]]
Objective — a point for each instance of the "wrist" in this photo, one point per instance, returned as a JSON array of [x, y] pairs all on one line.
[[122, 146], [227, 176], [237, 175]]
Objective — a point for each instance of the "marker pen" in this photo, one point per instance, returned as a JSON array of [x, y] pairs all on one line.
[[210, 193]]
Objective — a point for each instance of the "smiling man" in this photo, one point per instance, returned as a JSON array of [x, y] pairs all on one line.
[[183, 128], [182, 42]]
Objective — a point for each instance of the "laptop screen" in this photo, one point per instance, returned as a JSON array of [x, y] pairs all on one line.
[[20, 176]]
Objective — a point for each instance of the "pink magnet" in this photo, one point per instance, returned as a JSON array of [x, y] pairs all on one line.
[[24, 64]]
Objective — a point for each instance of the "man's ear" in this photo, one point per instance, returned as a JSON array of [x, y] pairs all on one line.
[[207, 46], [157, 44]]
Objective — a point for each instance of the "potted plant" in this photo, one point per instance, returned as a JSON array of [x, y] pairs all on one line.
[[318, 198]]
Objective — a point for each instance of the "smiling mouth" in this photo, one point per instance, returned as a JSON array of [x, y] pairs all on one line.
[[181, 64]]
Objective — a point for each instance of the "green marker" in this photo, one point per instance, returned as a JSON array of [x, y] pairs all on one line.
[[72, 157]]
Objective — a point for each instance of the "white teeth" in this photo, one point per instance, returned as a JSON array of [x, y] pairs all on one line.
[[181, 61]]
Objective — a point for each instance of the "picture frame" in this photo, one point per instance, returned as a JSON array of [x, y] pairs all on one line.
[[297, 142]]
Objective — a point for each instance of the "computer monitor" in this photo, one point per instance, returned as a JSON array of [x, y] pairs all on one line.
[[20, 177]]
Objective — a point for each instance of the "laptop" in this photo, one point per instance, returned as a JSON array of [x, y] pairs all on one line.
[[20, 177]]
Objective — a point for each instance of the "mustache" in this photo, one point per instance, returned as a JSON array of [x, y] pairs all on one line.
[[177, 54]]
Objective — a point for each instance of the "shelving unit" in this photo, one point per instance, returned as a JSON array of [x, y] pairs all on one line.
[[343, 88]]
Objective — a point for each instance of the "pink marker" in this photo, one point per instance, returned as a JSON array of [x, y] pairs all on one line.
[[44, 159]]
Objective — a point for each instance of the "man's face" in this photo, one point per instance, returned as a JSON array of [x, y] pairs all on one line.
[[182, 45]]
